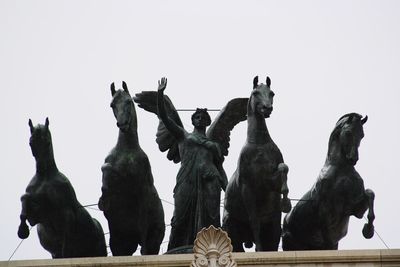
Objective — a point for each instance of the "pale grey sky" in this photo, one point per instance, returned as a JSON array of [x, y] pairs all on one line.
[[325, 59]]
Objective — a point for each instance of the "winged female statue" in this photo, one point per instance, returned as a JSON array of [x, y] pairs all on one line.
[[201, 177]]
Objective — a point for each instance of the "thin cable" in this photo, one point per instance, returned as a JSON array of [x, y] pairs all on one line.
[[190, 109], [383, 241], [167, 202], [89, 205], [20, 243]]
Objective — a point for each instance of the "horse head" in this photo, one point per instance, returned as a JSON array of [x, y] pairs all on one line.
[[346, 137], [123, 108], [40, 140], [261, 99]]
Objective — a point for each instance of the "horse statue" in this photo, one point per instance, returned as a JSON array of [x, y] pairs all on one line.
[[64, 227], [253, 202], [320, 219], [129, 200], [201, 177]]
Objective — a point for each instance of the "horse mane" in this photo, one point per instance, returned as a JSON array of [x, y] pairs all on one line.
[[339, 126]]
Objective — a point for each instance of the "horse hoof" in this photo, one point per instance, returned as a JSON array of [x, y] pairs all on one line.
[[23, 231], [286, 206], [248, 244], [368, 231]]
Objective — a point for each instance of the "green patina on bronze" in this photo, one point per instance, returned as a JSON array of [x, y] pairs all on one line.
[[320, 219], [64, 227], [129, 200]]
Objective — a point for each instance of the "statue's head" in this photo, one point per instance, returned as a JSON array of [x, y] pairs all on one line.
[[261, 98], [201, 118], [348, 133], [40, 140], [122, 106]]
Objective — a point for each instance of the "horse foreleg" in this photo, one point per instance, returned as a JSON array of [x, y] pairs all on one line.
[[286, 206], [368, 230], [23, 229]]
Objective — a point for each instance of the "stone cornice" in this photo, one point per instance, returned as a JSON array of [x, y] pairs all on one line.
[[389, 257]]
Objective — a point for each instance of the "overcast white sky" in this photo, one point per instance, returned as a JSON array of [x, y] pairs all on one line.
[[325, 59]]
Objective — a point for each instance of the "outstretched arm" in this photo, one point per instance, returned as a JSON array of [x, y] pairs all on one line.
[[172, 127]]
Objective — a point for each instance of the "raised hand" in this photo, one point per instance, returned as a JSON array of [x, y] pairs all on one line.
[[162, 84]]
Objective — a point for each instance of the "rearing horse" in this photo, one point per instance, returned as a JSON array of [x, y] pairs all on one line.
[[320, 219], [64, 227], [253, 202], [129, 199]]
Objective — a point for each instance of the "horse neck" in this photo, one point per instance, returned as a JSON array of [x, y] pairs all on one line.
[[335, 155], [46, 164], [257, 131], [129, 139]]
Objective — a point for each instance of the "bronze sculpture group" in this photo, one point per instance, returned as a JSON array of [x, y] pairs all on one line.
[[129, 199], [255, 196], [64, 227], [197, 192], [322, 216], [257, 192]]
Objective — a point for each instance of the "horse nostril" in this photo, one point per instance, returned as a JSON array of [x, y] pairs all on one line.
[[268, 108]]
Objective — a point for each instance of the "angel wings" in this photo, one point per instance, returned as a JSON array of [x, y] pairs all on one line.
[[234, 112]]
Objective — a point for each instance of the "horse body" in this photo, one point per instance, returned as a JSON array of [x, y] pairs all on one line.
[[65, 228], [129, 199], [320, 219], [253, 203]]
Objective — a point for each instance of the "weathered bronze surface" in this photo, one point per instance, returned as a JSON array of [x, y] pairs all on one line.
[[129, 200], [320, 219], [64, 227], [201, 176], [253, 202]]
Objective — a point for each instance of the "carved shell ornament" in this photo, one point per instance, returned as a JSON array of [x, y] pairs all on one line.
[[212, 248]]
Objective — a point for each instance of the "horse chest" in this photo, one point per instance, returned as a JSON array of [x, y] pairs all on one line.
[[126, 162], [353, 189], [126, 171], [261, 160], [39, 189]]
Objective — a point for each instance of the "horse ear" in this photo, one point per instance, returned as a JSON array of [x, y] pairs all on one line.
[[112, 89], [124, 86], [47, 123], [30, 125], [268, 81], [364, 120], [255, 82]]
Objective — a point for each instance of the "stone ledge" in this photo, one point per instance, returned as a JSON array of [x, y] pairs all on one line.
[[389, 257]]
